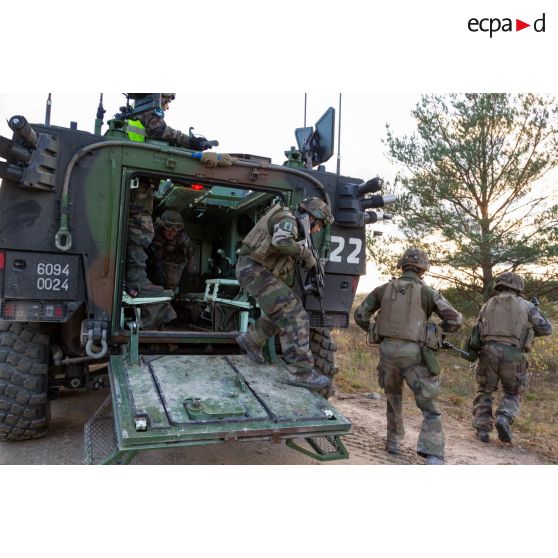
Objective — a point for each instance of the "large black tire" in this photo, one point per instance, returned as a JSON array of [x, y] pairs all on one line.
[[24, 407], [323, 349]]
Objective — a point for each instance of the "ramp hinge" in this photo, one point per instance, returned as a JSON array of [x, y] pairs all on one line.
[[133, 344]]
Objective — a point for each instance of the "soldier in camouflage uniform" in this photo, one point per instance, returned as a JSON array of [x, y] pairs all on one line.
[[170, 252], [507, 325], [140, 227], [407, 348], [265, 270]]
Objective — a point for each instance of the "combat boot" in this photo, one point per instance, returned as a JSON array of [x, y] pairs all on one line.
[[311, 379], [392, 447], [434, 460], [503, 428], [483, 436], [250, 347]]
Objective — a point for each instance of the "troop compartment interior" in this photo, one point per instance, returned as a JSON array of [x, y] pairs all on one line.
[[208, 299]]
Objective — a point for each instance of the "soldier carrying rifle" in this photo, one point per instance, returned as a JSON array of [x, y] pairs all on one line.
[[506, 327], [407, 349], [266, 271]]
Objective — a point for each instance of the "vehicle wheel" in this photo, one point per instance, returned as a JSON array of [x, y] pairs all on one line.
[[323, 349], [24, 408]]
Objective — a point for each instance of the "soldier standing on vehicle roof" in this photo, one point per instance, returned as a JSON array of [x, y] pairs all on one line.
[[407, 345], [170, 252], [265, 269], [506, 327], [140, 225]]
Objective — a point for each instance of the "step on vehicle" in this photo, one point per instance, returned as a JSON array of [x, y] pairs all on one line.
[[68, 322]]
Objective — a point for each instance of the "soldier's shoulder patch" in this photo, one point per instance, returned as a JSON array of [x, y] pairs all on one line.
[[286, 225], [159, 112]]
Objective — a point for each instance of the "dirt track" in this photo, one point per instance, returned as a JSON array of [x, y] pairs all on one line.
[[64, 444]]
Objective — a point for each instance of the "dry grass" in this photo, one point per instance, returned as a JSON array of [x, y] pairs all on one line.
[[537, 424]]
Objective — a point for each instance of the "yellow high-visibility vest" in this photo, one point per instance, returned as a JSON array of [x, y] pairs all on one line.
[[135, 130]]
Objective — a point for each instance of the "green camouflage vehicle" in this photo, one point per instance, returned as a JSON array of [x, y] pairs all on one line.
[[67, 320]]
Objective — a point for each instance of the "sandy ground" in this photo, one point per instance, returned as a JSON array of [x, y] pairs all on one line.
[[64, 444]]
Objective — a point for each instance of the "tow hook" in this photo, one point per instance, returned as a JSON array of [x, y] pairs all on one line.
[[96, 333]]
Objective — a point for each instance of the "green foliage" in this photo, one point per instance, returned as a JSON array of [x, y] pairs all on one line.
[[467, 193]]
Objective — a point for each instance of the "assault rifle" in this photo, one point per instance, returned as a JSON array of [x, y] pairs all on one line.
[[314, 283], [448, 345]]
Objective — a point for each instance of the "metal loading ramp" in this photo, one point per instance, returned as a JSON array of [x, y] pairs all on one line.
[[184, 400]]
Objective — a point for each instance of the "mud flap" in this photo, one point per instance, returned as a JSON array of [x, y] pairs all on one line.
[[184, 400]]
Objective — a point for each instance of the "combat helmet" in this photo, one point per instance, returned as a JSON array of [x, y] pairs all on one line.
[[171, 219], [169, 96], [510, 280], [318, 209], [415, 257]]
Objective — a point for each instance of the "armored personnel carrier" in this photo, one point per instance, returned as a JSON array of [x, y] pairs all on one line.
[[67, 320]]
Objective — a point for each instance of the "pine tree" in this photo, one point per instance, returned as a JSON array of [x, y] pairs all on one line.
[[472, 189]]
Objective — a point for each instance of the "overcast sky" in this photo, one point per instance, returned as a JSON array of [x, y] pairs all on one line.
[[261, 124]]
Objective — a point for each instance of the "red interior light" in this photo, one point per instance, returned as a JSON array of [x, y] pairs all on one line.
[[197, 187], [2, 260]]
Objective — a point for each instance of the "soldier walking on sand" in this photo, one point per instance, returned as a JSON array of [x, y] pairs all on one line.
[[265, 270], [407, 349], [506, 327]]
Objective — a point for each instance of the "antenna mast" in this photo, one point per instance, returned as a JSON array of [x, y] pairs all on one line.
[[339, 140], [48, 107], [305, 98]]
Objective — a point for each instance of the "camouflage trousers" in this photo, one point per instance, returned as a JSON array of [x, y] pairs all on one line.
[[503, 363], [282, 313], [401, 361], [140, 234]]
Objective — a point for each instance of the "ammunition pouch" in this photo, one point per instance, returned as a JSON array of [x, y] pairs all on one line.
[[431, 337], [374, 334], [430, 360], [283, 269]]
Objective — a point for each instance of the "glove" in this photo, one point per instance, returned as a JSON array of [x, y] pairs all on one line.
[[213, 160], [200, 144], [191, 142], [308, 258], [473, 356]]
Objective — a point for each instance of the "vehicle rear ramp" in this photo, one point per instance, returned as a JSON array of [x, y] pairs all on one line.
[[169, 401]]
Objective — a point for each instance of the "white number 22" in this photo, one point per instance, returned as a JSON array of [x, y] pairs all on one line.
[[353, 257]]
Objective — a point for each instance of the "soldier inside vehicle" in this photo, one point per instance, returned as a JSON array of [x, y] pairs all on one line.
[[197, 230]]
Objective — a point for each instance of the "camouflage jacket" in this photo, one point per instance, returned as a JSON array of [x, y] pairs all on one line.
[[432, 301], [276, 233], [156, 127], [178, 250], [285, 234], [273, 242]]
